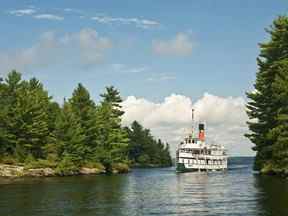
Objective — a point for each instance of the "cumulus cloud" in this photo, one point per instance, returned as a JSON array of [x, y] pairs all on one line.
[[53, 49], [49, 17], [180, 45], [225, 118], [141, 23]]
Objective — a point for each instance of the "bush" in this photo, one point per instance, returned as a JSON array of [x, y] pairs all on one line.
[[120, 168], [95, 165], [40, 164], [67, 167], [144, 159], [8, 160]]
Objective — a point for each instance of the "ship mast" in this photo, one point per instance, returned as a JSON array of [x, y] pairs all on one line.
[[193, 122]]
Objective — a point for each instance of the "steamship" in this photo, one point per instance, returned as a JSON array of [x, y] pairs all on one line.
[[194, 154]]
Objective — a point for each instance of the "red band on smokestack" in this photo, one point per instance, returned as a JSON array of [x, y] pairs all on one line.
[[202, 135]]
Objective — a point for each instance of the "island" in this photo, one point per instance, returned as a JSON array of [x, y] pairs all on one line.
[[40, 137]]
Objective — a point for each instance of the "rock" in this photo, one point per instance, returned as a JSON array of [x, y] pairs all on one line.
[[40, 172], [11, 170], [17, 171], [90, 171]]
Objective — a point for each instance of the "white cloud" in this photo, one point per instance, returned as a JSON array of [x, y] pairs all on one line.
[[49, 17], [85, 45], [72, 10], [91, 45], [141, 23], [160, 77], [22, 12], [225, 119], [122, 68], [32, 12], [180, 45], [39, 54]]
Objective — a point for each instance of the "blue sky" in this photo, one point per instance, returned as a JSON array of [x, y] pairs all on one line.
[[162, 52], [224, 37]]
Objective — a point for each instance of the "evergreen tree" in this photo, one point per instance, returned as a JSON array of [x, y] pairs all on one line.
[[8, 92], [266, 106], [279, 161], [3, 113], [137, 138], [113, 139], [26, 120], [70, 136], [84, 107], [144, 150], [37, 131], [112, 97]]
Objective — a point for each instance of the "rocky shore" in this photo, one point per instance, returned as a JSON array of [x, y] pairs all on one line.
[[21, 171]]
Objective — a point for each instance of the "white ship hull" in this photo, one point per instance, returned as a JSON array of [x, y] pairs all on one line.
[[200, 162], [184, 167]]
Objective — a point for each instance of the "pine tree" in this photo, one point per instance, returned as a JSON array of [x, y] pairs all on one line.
[[8, 92], [112, 97], [84, 107], [26, 120], [264, 105], [144, 150], [279, 162], [70, 136], [3, 112], [113, 139], [136, 137]]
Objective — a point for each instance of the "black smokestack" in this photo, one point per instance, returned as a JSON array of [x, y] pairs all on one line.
[[201, 127]]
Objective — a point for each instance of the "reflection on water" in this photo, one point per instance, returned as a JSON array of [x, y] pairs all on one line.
[[273, 195], [149, 192]]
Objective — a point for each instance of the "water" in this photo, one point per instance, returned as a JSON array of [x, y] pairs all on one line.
[[149, 192]]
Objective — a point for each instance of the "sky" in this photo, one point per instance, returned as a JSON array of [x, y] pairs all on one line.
[[165, 57]]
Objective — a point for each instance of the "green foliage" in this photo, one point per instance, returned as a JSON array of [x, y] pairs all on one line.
[[144, 150], [268, 105], [8, 159], [67, 167], [70, 135], [96, 165], [112, 138], [143, 159], [120, 168], [84, 108], [38, 132], [40, 164], [25, 123]]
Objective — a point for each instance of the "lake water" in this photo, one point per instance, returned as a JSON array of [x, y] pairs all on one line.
[[149, 192]]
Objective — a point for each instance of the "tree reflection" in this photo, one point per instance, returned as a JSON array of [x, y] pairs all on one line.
[[272, 195]]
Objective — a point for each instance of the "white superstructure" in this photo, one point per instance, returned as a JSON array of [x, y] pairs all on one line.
[[194, 154]]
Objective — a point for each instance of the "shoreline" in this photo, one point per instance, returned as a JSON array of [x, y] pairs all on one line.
[[16, 171]]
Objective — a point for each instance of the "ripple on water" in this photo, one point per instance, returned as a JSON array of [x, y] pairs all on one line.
[[148, 192]]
